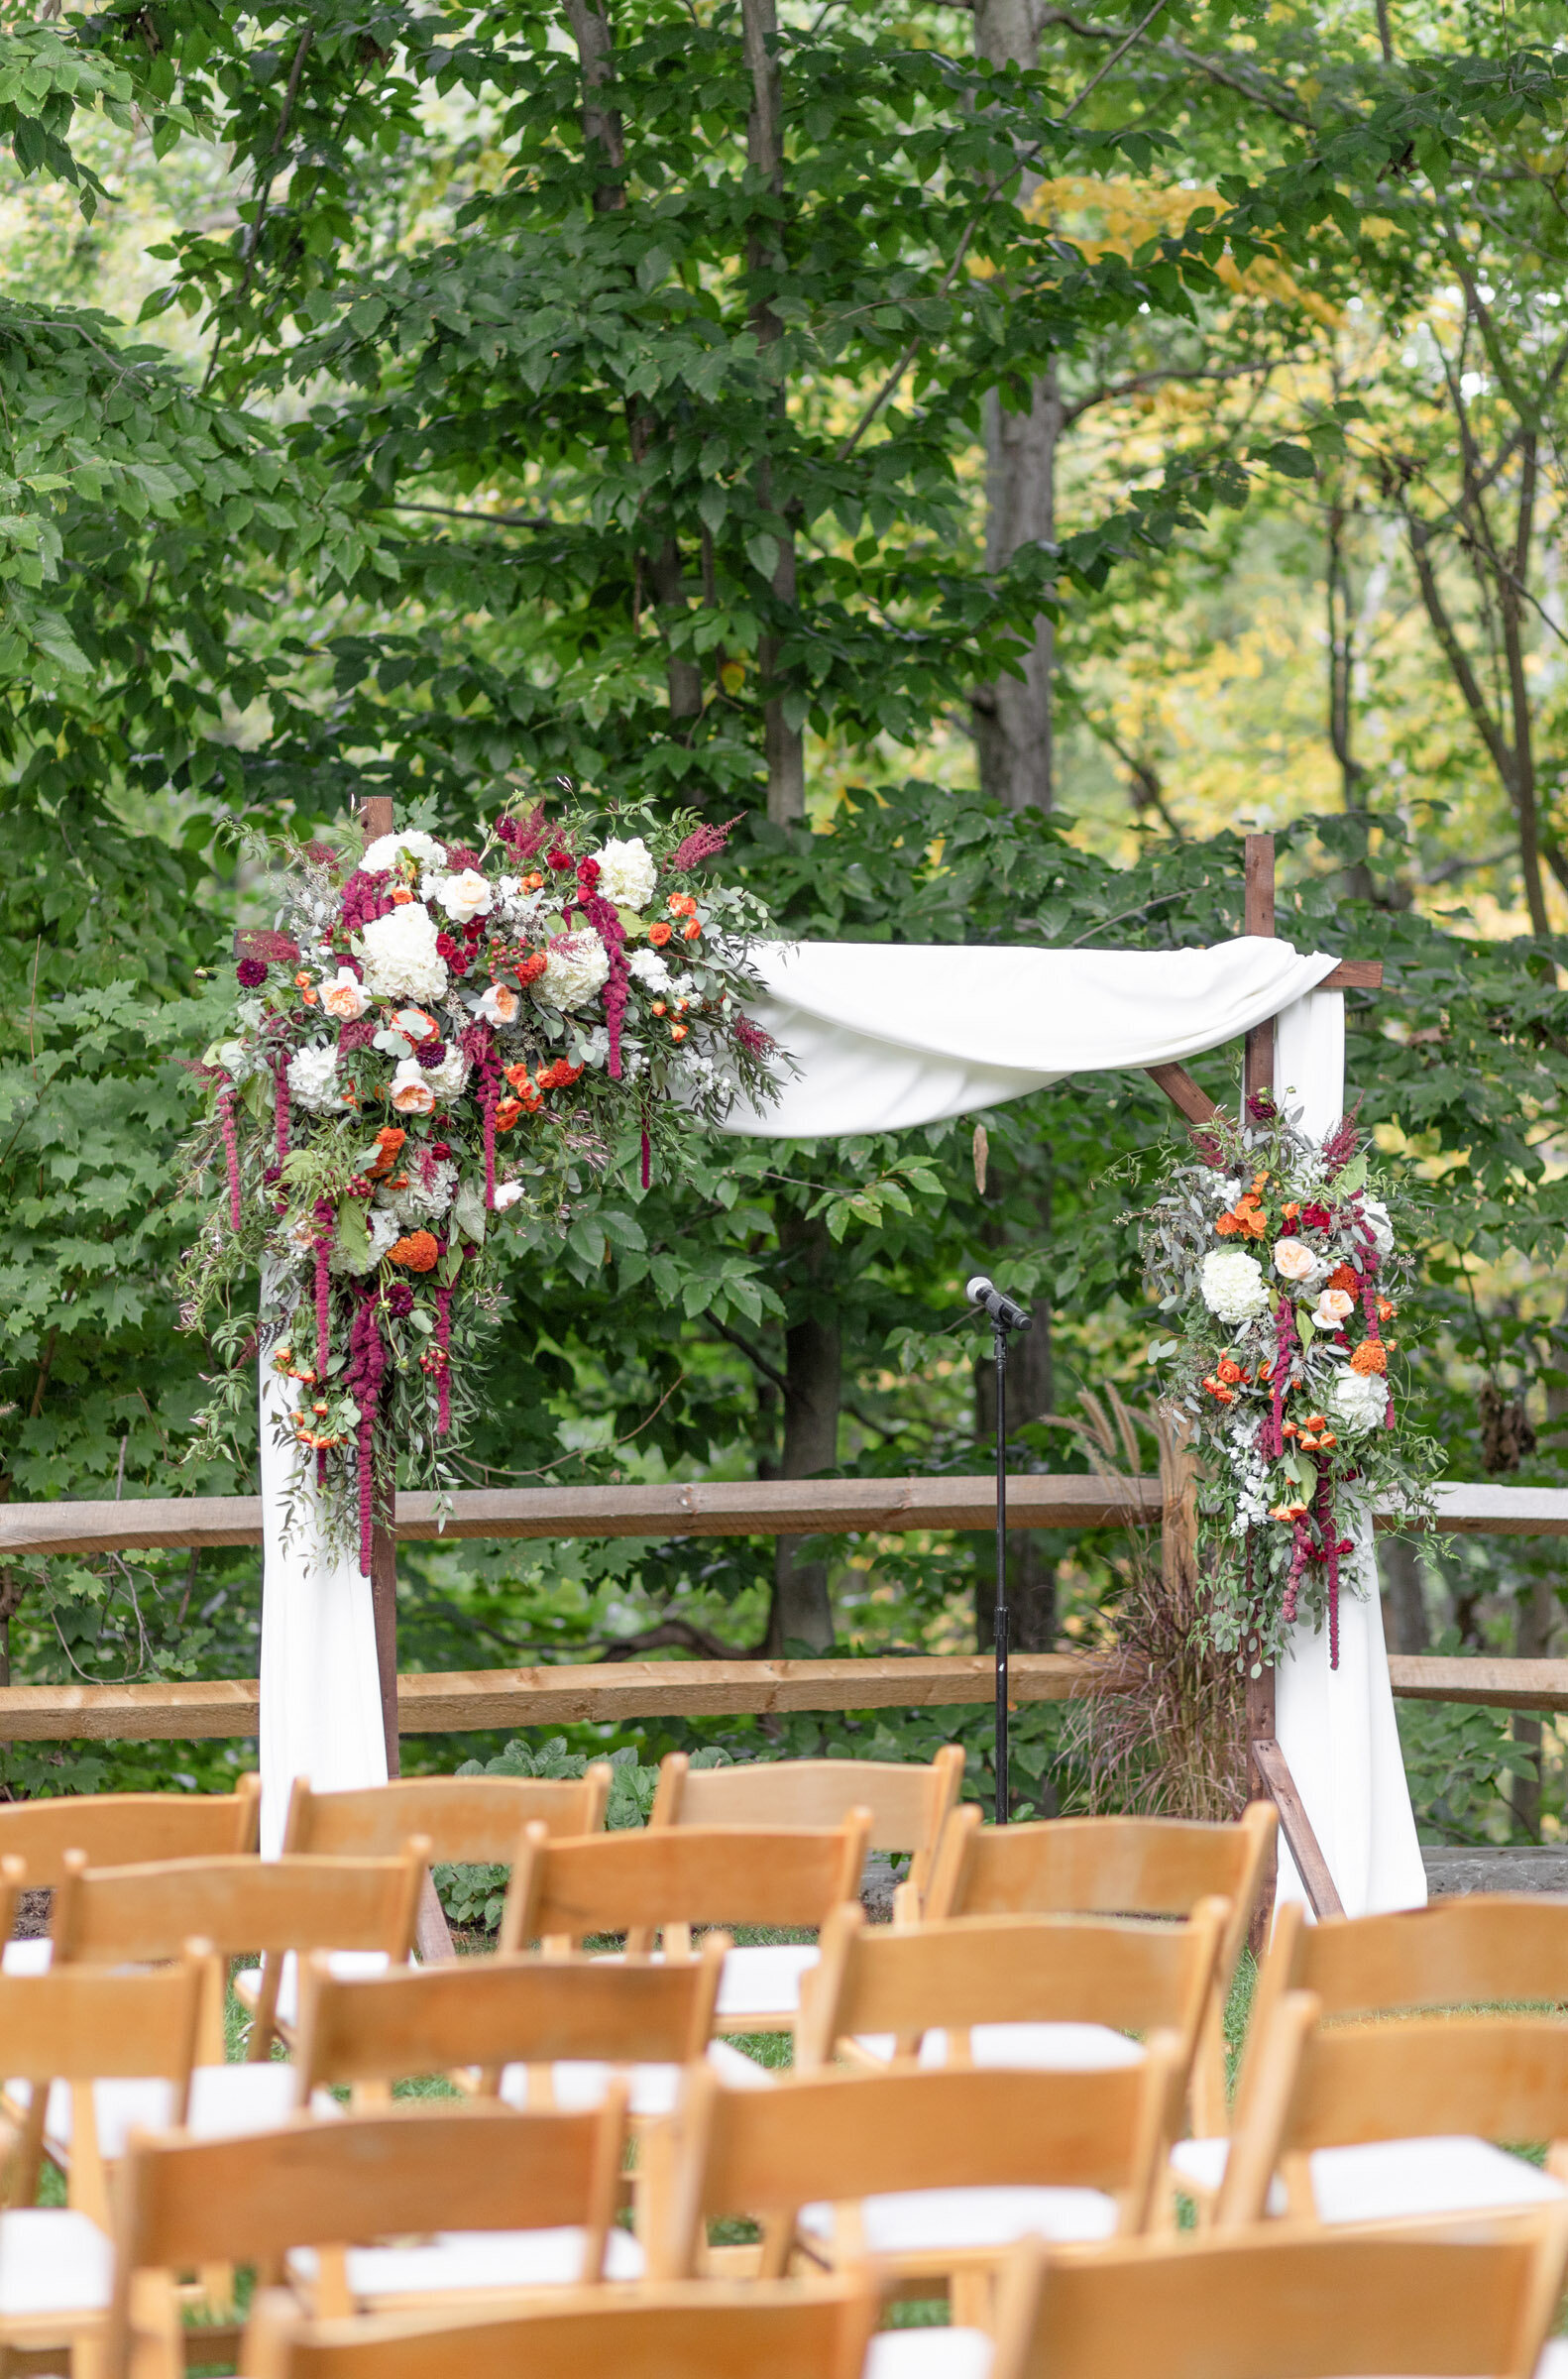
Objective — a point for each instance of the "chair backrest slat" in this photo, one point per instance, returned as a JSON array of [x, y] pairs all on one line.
[[117, 1829], [709, 1876], [473, 1820], [126, 1914], [495, 2011], [89, 2024], [1290, 2306], [949, 1976], [784, 2330], [909, 1804]]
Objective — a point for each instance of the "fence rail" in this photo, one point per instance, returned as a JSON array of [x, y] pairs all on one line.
[[479, 1700]]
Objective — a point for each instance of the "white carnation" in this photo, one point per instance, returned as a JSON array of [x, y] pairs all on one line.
[[626, 873], [405, 842], [465, 896], [1360, 1401], [1377, 1214], [313, 1079], [574, 971], [649, 969], [1233, 1286], [400, 957]]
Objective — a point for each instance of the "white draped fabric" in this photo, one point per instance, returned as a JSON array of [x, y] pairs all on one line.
[[1336, 1726], [886, 1036], [321, 1709]]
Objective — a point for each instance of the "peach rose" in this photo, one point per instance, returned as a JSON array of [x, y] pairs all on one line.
[[343, 996], [1293, 1260], [500, 1005], [411, 1094], [1334, 1307]]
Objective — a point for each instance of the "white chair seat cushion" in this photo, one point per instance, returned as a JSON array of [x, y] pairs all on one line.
[[475, 2259], [929, 2353], [27, 1956], [1386, 2178], [1054, 2048], [1198, 2165], [765, 1980], [53, 2260], [348, 1965], [580, 2083], [226, 2102], [918, 2221]]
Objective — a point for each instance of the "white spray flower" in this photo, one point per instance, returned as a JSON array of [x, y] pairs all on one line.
[[404, 842], [1233, 1286], [1377, 1214], [402, 961], [648, 968]]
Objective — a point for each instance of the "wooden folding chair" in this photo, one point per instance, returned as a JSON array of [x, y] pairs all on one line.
[[76, 2035], [786, 2329], [933, 2174], [667, 1880], [114, 1829], [538, 2032], [1461, 1953], [1399, 2122], [473, 2199], [999, 1990], [909, 1802], [137, 1916], [1115, 1866], [476, 1821], [1285, 2305]]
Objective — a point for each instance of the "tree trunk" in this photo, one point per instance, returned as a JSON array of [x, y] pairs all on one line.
[[683, 677], [785, 745], [801, 1611], [1341, 690], [1403, 1601], [1535, 1620], [1011, 718]]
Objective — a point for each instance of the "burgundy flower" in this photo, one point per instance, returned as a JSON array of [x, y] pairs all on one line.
[[358, 1035], [1316, 1219], [523, 834], [559, 860], [399, 1300], [365, 897], [431, 1052], [460, 856], [703, 842], [275, 949], [325, 856], [1261, 1106], [439, 1148], [588, 873], [752, 1039], [448, 949], [250, 974]]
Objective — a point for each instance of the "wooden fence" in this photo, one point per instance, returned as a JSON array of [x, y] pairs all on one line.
[[469, 1701]]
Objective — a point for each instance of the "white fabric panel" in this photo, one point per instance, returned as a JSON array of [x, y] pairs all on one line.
[[765, 1979], [918, 2221], [53, 2260], [934, 2354], [27, 1956], [321, 1710], [1051, 2048], [1336, 1727], [887, 1035], [1384, 2178]]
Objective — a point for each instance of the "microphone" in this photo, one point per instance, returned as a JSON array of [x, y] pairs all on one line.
[[1002, 1309]]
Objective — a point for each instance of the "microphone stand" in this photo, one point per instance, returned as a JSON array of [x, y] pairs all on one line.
[[1001, 1623]]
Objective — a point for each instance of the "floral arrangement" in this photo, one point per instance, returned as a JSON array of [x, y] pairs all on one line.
[[431, 1035], [1280, 1265]]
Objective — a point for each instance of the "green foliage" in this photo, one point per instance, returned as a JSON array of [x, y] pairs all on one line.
[[475, 1895]]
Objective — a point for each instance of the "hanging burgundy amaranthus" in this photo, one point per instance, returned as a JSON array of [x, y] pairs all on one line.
[[366, 1369]]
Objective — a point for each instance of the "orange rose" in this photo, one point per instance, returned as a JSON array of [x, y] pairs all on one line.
[[419, 1252], [401, 896], [689, 933], [659, 935], [506, 1114], [1370, 1356]]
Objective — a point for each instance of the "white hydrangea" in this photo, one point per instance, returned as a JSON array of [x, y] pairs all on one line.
[[576, 969], [1360, 1401], [649, 970], [465, 895], [447, 1078], [313, 1079], [1377, 1214], [384, 1233], [404, 842], [400, 957], [626, 873], [426, 1200], [1233, 1286]]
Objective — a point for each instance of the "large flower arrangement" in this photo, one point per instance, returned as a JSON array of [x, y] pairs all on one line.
[[1280, 1265], [427, 1038]]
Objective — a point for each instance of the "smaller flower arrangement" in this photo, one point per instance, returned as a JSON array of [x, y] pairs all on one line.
[[1277, 1261], [428, 1037]]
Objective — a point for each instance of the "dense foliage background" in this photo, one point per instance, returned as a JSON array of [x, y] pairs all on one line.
[[999, 453]]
